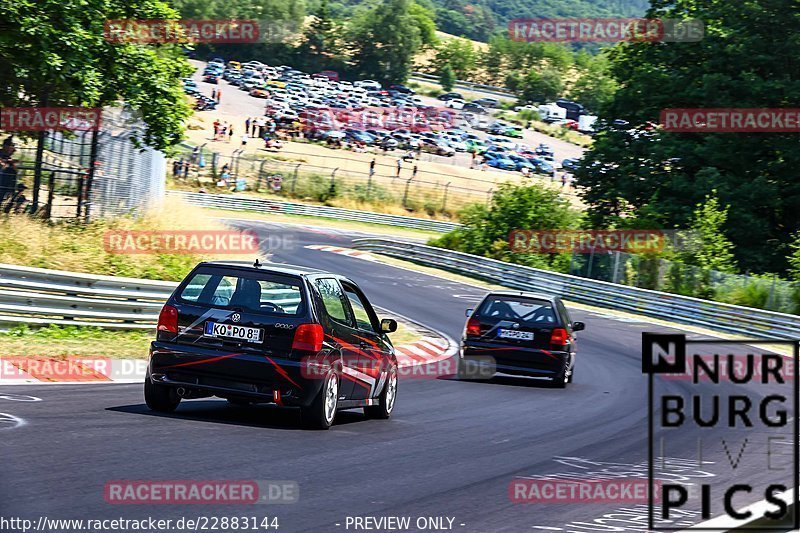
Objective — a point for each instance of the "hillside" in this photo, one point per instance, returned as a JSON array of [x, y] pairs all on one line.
[[480, 19]]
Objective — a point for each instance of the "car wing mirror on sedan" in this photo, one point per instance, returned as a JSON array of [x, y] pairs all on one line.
[[468, 312], [578, 326], [388, 325]]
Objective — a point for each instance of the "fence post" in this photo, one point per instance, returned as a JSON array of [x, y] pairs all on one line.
[[444, 196], [260, 174], [332, 190], [614, 275], [51, 190], [294, 179], [405, 194]]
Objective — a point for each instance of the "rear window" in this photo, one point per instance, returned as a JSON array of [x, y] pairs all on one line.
[[249, 291], [526, 311]]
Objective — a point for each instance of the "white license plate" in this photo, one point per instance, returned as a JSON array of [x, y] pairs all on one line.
[[232, 331], [514, 334]]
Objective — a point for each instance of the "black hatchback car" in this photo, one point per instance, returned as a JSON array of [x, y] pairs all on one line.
[[264, 333], [523, 334]]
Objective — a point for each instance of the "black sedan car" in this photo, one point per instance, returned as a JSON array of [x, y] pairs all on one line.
[[522, 334], [256, 333]]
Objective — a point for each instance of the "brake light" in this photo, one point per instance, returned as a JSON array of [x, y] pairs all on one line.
[[168, 319], [473, 326], [559, 337], [308, 337]]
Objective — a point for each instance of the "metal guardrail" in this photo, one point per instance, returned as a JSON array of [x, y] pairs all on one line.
[[42, 296], [263, 205], [490, 89], [683, 309]]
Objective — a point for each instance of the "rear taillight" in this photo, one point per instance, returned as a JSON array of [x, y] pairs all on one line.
[[308, 337], [168, 319], [473, 326], [559, 337]]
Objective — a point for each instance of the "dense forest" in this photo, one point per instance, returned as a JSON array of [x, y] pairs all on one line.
[[480, 19]]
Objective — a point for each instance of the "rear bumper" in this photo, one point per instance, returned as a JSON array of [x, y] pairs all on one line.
[[205, 372], [518, 360]]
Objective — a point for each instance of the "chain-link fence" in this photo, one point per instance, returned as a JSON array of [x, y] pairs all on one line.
[[403, 185], [126, 179]]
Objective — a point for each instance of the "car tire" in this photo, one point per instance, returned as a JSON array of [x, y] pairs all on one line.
[[159, 397], [561, 380], [387, 398], [322, 411]]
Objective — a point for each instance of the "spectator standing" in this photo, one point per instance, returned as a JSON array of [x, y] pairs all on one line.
[[399, 166], [247, 125], [213, 94], [8, 169], [414, 172], [372, 167], [245, 138], [219, 94], [230, 132]]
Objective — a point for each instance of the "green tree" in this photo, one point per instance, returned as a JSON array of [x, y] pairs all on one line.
[[486, 230], [706, 245], [794, 257], [459, 55], [55, 54], [321, 46], [541, 86], [447, 78], [747, 58], [385, 38], [595, 87]]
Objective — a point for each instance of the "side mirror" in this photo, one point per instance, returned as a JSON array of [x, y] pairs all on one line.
[[578, 326], [388, 325], [469, 312]]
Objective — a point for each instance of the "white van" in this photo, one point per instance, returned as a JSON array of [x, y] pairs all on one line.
[[552, 112]]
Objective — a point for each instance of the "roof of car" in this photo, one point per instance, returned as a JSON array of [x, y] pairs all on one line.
[[280, 268], [524, 294]]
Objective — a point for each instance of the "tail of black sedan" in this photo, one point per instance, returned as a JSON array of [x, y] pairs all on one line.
[[282, 335], [522, 334]]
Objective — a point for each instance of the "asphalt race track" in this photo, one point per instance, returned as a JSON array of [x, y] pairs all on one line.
[[450, 450]]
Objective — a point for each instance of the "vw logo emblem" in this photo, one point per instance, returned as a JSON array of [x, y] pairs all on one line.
[[236, 317], [515, 325]]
